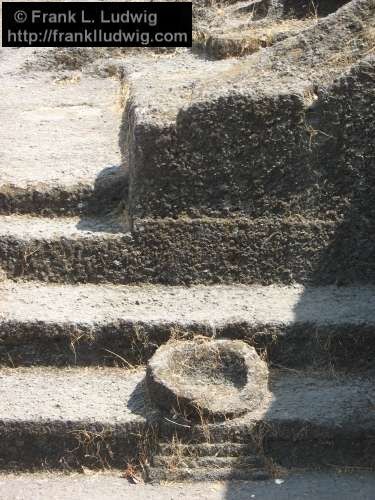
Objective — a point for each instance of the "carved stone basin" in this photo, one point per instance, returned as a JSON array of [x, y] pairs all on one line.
[[214, 379]]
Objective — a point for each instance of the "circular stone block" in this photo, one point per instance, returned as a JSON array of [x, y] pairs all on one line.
[[215, 379]]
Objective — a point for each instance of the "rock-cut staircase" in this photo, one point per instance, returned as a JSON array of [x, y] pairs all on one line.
[[245, 212]]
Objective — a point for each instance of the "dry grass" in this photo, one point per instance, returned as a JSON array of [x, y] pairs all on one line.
[[246, 41], [141, 345], [148, 442], [28, 251], [94, 445], [75, 338], [206, 354], [369, 38], [122, 359], [87, 59], [177, 457], [183, 454]]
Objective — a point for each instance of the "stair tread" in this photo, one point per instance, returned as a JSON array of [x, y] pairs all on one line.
[[212, 306], [26, 227], [63, 122], [70, 395], [114, 395], [98, 486], [31, 227], [57, 415]]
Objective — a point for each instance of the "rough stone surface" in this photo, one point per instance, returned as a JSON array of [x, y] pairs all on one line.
[[69, 418], [294, 399], [245, 39], [326, 327], [70, 397], [59, 144], [214, 379], [267, 136], [308, 485], [98, 418], [265, 164], [188, 251]]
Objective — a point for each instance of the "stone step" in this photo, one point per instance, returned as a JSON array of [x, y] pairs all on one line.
[[187, 251], [157, 474], [62, 249], [67, 418], [296, 327], [102, 193], [177, 461], [206, 449], [59, 139], [99, 418], [244, 136]]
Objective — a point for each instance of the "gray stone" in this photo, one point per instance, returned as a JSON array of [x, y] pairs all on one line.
[[260, 135], [213, 379], [58, 136], [301, 328]]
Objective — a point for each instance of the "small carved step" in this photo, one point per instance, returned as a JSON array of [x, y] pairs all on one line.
[[176, 461], [157, 474], [216, 450]]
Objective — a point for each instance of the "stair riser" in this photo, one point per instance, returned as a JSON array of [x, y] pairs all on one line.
[[298, 346], [206, 450], [199, 251], [245, 462], [79, 200], [71, 446], [157, 475], [338, 452], [68, 445]]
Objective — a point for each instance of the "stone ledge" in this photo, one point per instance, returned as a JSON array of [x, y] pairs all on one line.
[[298, 327], [189, 251], [98, 418]]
